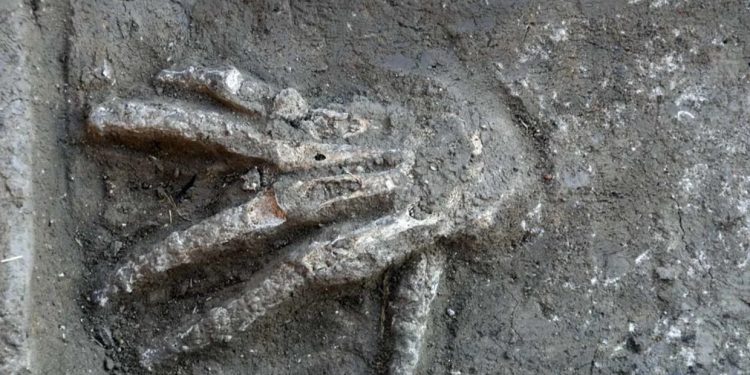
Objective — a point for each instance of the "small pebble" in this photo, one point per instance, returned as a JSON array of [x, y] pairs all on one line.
[[450, 312], [109, 364], [104, 336], [666, 273], [251, 180], [117, 246]]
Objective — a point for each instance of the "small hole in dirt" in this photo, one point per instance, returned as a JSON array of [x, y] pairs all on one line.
[[320, 157]]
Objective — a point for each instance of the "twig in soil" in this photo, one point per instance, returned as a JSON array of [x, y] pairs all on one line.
[[6, 260], [163, 195], [181, 194]]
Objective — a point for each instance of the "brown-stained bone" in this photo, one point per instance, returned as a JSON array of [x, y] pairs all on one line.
[[270, 213], [258, 218], [410, 310], [288, 204], [139, 123], [226, 84], [352, 257]]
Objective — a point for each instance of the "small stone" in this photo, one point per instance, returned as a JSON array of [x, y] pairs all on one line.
[[290, 105], [116, 247], [450, 312], [107, 72], [251, 180], [109, 364], [158, 295], [635, 344], [666, 273], [110, 187], [104, 336]]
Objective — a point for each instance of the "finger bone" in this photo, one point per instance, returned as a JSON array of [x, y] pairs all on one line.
[[143, 122], [258, 219], [360, 254], [226, 84]]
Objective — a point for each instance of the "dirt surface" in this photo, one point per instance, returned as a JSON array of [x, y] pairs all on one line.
[[614, 133]]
